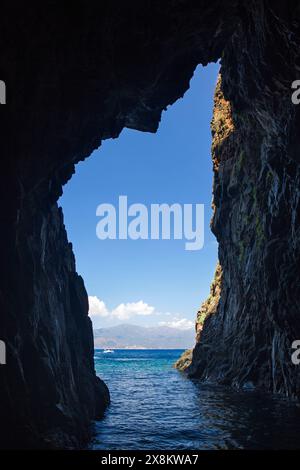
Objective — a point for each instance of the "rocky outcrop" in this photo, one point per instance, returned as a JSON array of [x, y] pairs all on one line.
[[248, 339], [184, 361], [78, 75], [209, 307]]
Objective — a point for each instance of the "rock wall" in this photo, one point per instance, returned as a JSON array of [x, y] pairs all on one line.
[[247, 341]]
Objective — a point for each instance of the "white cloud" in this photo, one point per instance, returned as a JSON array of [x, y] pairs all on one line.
[[129, 310], [179, 324], [97, 307], [122, 312]]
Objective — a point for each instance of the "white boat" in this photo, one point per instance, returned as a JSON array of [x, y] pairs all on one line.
[[108, 351]]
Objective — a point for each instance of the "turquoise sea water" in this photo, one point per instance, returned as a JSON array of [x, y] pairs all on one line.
[[153, 406]]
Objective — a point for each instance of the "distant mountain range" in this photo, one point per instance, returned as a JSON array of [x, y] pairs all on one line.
[[138, 337]]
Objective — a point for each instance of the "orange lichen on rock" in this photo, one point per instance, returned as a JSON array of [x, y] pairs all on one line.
[[222, 125]]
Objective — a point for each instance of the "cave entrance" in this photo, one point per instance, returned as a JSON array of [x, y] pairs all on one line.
[[138, 287]]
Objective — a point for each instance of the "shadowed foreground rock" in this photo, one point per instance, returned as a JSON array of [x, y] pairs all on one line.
[[77, 76]]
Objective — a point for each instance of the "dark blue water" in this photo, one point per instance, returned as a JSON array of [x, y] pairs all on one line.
[[153, 406]]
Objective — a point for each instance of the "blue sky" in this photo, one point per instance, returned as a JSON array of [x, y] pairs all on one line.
[[147, 282]]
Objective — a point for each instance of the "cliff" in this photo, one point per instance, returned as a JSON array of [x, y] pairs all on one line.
[[77, 75], [128, 336]]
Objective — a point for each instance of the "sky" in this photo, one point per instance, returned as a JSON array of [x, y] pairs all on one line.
[[147, 282]]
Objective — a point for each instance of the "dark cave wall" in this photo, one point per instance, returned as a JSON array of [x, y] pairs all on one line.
[[49, 392], [247, 340], [77, 75], [74, 76]]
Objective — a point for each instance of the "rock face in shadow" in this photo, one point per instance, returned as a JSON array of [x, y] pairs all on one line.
[[78, 75], [247, 341], [74, 76]]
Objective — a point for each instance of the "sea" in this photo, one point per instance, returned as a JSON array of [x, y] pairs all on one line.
[[155, 407]]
